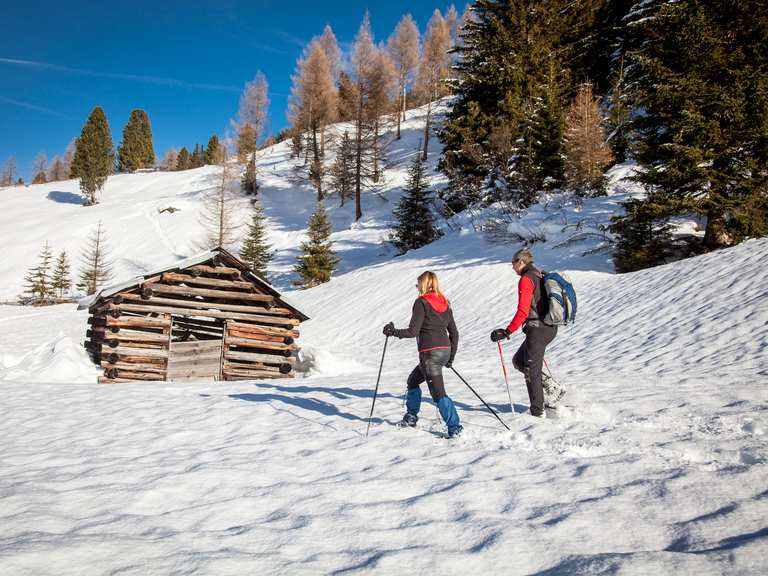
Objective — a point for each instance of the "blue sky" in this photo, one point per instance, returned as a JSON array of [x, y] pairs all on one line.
[[185, 63]]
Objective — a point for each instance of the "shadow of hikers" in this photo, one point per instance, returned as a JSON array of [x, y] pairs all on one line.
[[344, 393], [312, 404], [65, 198]]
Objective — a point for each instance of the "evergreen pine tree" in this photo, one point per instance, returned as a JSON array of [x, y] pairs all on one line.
[[94, 158], [318, 261], [61, 280], [702, 139], [607, 42], [343, 169], [183, 160], [511, 79], [95, 267], [547, 131], [37, 283], [197, 159], [643, 234], [256, 251], [213, 151], [415, 225], [136, 150]]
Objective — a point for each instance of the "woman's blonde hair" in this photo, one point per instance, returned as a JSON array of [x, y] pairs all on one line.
[[428, 282]]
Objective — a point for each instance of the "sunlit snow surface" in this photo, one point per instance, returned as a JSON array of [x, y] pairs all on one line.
[[655, 464]]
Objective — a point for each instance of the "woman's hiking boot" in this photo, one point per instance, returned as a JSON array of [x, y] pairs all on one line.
[[408, 421]]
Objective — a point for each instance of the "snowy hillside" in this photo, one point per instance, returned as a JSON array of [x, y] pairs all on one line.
[[142, 238], [656, 463]]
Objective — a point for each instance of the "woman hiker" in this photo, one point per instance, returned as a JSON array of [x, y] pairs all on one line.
[[437, 339]]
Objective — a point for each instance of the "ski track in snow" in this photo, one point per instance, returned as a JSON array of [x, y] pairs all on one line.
[[655, 464]]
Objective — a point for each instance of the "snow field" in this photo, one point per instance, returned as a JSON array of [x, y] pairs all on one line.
[[655, 464]]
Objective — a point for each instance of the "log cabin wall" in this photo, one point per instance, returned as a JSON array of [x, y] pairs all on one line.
[[207, 320]]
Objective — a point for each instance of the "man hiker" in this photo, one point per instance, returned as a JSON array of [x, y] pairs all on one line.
[[531, 308]]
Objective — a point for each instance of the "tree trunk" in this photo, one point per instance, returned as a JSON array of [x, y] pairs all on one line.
[[401, 103], [316, 167], [426, 131], [359, 156], [405, 95], [376, 148], [716, 236]]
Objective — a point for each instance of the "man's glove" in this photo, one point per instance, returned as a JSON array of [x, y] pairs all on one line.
[[499, 334], [389, 329], [449, 364]]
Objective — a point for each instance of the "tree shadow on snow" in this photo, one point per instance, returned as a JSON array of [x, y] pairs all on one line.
[[65, 198]]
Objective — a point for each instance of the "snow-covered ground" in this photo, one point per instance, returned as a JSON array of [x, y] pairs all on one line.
[[656, 463]]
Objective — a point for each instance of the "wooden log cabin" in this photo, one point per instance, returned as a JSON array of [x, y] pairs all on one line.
[[205, 318]]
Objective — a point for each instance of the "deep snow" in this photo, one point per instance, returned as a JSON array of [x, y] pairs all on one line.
[[655, 464]]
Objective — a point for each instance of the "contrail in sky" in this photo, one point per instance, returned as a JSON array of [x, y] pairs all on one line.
[[158, 80], [32, 107]]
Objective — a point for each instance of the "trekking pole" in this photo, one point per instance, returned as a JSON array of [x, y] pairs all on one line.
[[506, 379], [549, 373], [376, 390], [481, 400]]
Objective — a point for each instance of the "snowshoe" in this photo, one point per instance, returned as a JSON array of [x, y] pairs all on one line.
[[408, 421], [553, 392]]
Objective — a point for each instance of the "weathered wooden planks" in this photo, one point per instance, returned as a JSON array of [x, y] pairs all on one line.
[[206, 293], [217, 270], [153, 368], [253, 375], [138, 322], [251, 343], [267, 330], [176, 311], [205, 281], [205, 305], [254, 357]]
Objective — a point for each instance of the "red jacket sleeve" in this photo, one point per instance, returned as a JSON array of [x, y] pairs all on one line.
[[524, 297]]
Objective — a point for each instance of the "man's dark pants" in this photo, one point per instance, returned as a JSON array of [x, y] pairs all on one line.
[[528, 360]]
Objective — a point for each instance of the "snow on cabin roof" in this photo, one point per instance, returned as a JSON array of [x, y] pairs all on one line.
[[89, 301]]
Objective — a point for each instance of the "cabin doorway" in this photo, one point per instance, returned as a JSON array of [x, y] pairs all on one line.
[[194, 355]]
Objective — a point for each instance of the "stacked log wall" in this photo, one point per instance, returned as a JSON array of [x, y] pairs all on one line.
[[253, 351], [199, 303], [132, 347]]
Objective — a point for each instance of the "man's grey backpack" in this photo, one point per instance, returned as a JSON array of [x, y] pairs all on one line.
[[561, 298]]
